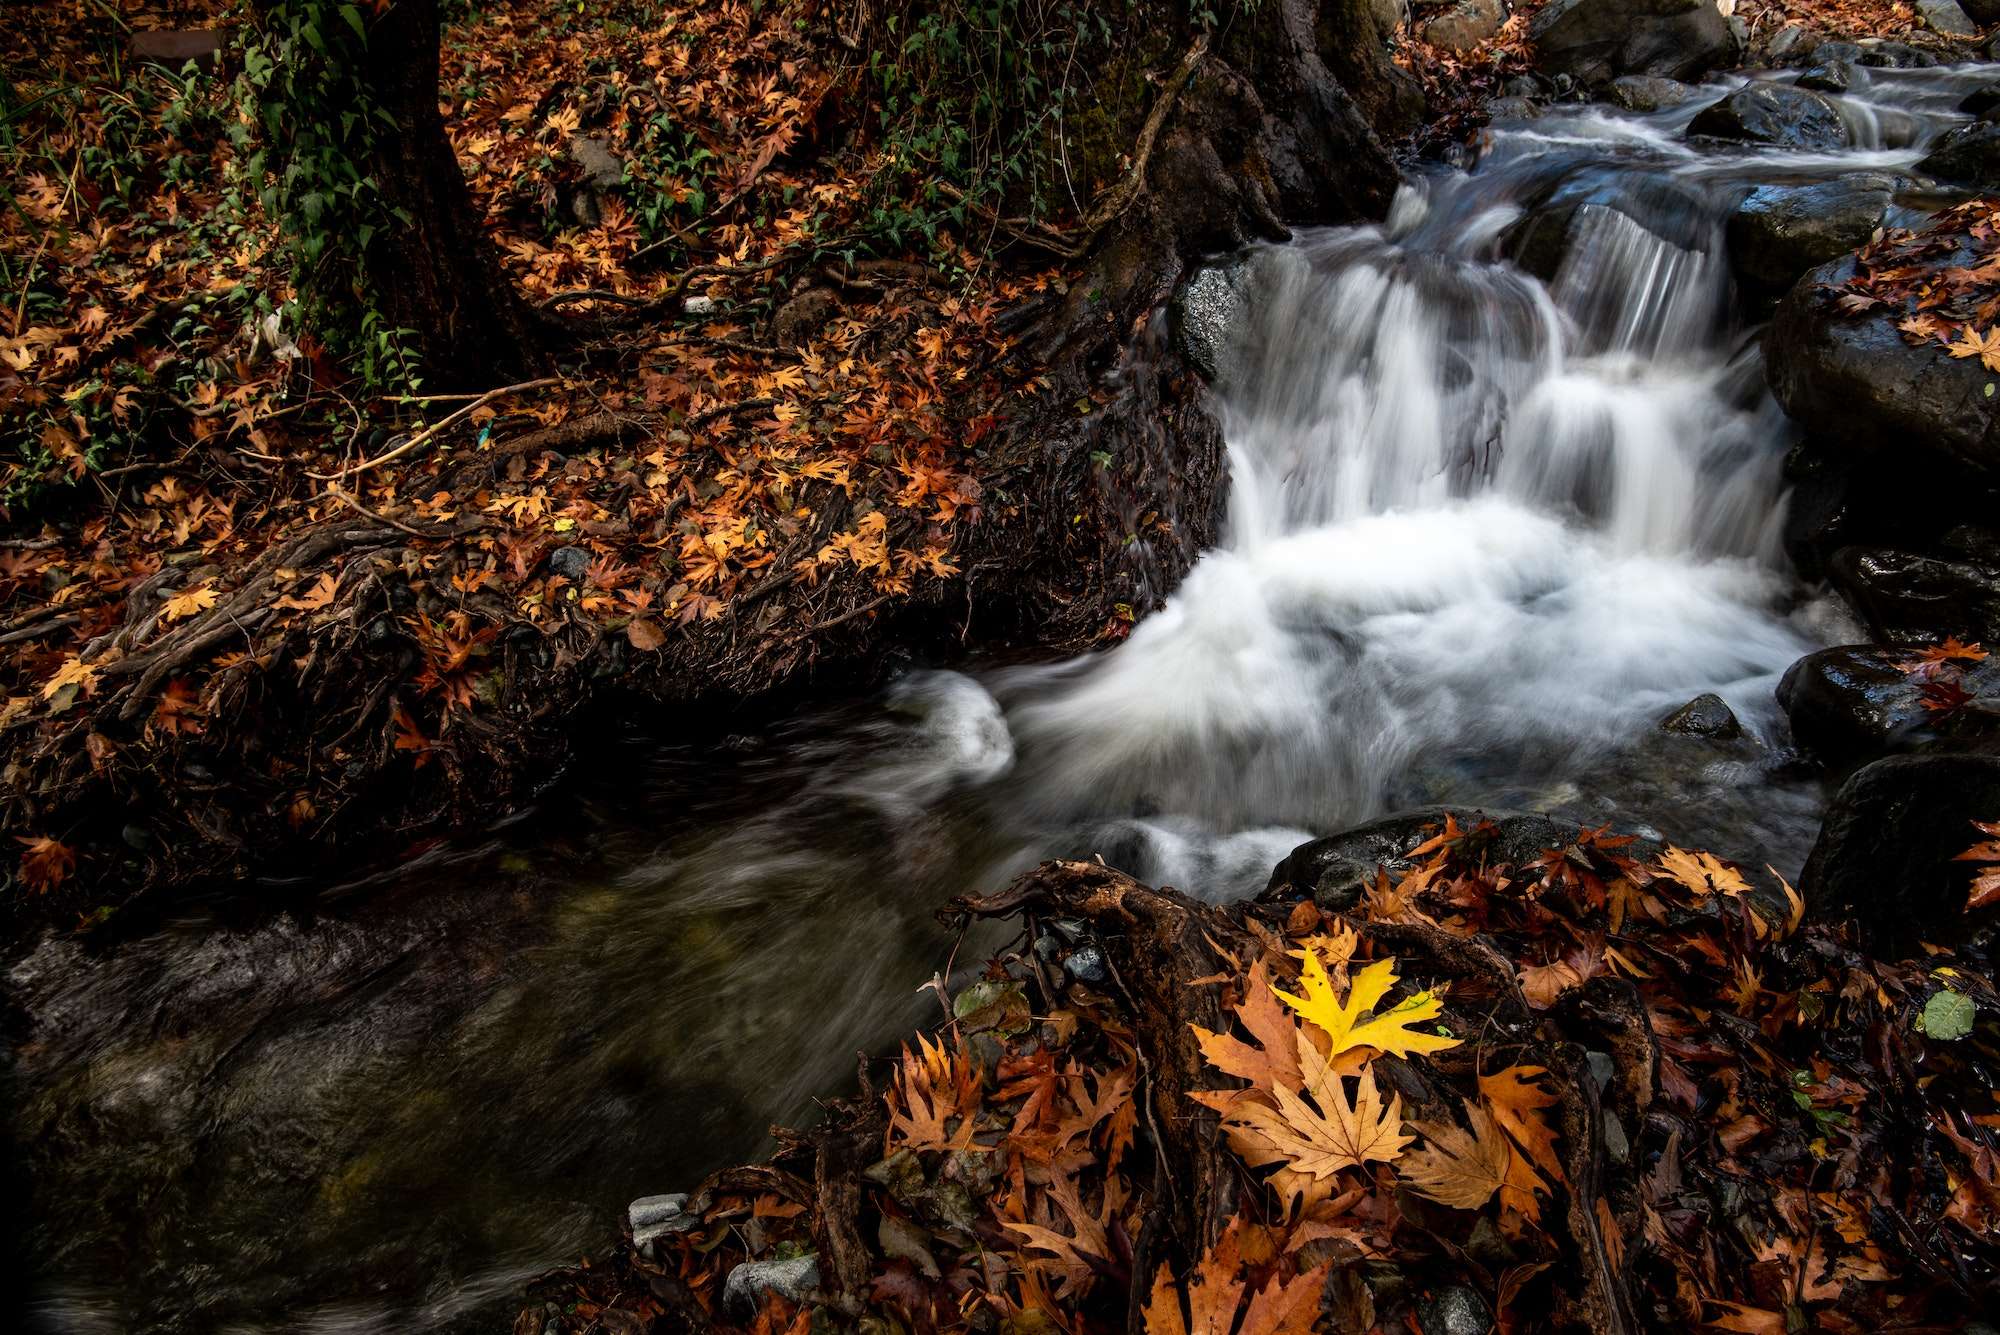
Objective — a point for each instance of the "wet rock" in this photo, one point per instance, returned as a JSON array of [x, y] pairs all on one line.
[[1465, 25], [1855, 703], [174, 48], [1774, 113], [794, 1279], [1336, 869], [1524, 85], [1791, 42], [803, 315], [1456, 1310], [1648, 92], [1912, 598], [1203, 315], [1968, 155], [1704, 716], [1834, 76], [1540, 242], [1881, 55], [1512, 109], [1981, 99], [572, 563], [1856, 384], [1779, 232], [1086, 965], [1885, 854], [1946, 18], [653, 1217], [1593, 41]]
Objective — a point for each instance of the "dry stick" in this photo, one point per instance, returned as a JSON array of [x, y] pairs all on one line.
[[342, 496], [430, 431], [37, 631], [1114, 203]]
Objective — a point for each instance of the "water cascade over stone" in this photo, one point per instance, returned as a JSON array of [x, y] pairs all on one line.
[[1507, 489]]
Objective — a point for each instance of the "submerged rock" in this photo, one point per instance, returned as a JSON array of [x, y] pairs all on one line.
[[1774, 113], [1779, 232], [1704, 716], [1593, 41], [1670, 208], [1885, 857]]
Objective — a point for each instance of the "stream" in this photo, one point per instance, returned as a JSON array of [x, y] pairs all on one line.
[[1485, 533]]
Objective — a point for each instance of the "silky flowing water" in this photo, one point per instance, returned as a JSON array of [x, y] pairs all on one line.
[[1484, 532]]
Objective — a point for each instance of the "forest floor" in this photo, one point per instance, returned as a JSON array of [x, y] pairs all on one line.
[[248, 605]]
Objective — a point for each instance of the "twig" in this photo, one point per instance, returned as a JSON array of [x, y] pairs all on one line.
[[717, 414], [430, 431], [36, 632], [1114, 203], [340, 495], [30, 544], [848, 615]]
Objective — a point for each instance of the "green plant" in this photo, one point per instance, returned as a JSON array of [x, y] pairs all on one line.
[[303, 88]]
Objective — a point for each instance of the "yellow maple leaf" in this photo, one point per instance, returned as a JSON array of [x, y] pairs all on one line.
[[1342, 1021], [187, 602], [73, 672], [1462, 1169], [1318, 1142]]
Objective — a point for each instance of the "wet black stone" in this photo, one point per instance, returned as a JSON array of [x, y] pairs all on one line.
[[1968, 155], [1886, 854], [1774, 113], [1779, 232], [572, 563], [1704, 716], [1833, 76], [1915, 598]]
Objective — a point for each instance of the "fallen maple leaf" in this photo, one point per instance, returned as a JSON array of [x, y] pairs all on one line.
[[46, 864], [1341, 1020], [1516, 1102], [1459, 1168], [188, 602], [1986, 884], [73, 672], [1275, 1061], [1986, 346], [1703, 873], [1318, 1142]]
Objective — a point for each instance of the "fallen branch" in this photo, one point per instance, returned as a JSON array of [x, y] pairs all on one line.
[[431, 431]]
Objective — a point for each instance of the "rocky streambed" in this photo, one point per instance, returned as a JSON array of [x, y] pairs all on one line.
[[1517, 523]]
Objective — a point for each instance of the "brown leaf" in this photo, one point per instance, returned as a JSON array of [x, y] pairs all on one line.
[[1461, 1169]]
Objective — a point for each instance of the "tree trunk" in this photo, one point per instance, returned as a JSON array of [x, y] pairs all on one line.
[[430, 271]]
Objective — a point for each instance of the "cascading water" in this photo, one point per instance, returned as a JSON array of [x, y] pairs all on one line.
[[1485, 529]]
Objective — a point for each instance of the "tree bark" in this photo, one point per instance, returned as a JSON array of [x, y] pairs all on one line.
[[432, 272]]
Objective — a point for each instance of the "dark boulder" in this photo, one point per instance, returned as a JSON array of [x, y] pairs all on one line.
[[1704, 716], [1829, 76], [1982, 12], [1647, 92], [1878, 54], [1885, 854], [571, 563], [1779, 232], [1774, 113], [1912, 598], [1335, 870], [1667, 206], [1981, 99], [1968, 155], [1855, 703], [1593, 41], [1855, 382]]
